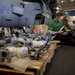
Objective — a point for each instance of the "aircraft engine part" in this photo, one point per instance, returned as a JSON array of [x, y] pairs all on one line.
[[37, 43], [16, 41], [5, 55], [46, 36], [18, 51], [2, 42], [27, 44]]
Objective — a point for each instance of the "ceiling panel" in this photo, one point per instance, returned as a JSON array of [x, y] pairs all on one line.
[[67, 4]]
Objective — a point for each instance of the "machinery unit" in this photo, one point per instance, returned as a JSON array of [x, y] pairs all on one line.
[[18, 13], [5, 55]]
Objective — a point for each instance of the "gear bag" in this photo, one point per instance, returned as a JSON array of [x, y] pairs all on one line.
[[71, 36]]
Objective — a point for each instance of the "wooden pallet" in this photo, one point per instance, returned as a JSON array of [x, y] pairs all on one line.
[[38, 65]]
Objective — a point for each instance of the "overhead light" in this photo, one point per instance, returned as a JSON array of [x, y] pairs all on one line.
[[62, 1], [57, 8], [72, 0], [66, 12]]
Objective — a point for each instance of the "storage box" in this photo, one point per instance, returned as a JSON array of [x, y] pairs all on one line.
[[42, 28], [31, 27]]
